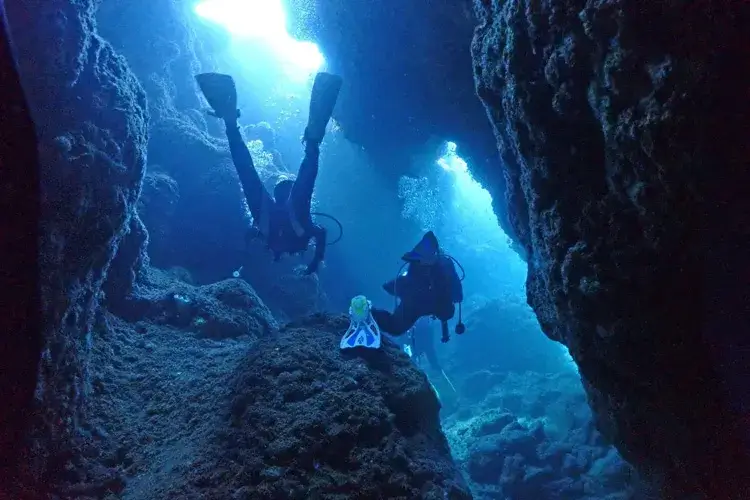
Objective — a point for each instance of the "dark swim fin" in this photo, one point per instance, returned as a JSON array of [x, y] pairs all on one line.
[[425, 252], [221, 94], [325, 92]]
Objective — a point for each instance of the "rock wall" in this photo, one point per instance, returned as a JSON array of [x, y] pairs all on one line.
[[92, 120], [20, 321], [621, 128]]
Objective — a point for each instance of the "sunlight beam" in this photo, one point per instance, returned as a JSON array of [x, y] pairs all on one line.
[[264, 21]]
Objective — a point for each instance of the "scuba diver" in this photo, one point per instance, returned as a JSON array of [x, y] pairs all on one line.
[[429, 287], [284, 221]]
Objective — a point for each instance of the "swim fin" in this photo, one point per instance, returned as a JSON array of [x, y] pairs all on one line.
[[424, 252], [363, 331], [325, 92], [221, 94]]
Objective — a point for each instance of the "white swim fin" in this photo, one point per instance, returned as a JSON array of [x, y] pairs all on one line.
[[363, 331]]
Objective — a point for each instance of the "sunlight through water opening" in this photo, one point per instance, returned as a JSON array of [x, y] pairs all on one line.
[[264, 21], [472, 205]]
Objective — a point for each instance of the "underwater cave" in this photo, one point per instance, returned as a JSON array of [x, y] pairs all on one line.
[[544, 203]]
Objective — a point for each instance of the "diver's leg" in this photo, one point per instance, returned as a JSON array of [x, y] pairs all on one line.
[[304, 185], [259, 201], [396, 323], [323, 98], [221, 94]]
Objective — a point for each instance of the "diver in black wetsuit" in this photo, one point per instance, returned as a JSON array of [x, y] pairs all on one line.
[[429, 287], [284, 220]]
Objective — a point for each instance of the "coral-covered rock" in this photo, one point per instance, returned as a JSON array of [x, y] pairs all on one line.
[[92, 121], [287, 292], [128, 264], [284, 415], [156, 207], [156, 382], [308, 420], [227, 309], [162, 48], [533, 437], [618, 123]]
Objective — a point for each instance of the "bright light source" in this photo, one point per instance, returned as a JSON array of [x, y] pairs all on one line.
[[249, 18], [263, 20], [450, 160]]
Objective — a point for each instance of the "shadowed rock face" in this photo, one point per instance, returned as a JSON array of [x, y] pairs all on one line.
[[91, 119], [619, 126]]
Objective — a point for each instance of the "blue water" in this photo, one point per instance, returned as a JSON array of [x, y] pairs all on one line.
[[513, 407]]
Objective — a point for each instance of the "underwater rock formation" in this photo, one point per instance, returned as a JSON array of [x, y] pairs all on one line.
[[306, 420], [129, 262], [619, 124], [162, 49], [156, 383], [187, 411], [226, 309], [157, 205], [288, 293], [532, 436], [91, 117], [20, 307]]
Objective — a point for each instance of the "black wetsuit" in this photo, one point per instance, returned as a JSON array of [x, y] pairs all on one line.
[[286, 225], [425, 290]]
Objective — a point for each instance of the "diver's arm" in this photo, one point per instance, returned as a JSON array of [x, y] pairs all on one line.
[[258, 199], [319, 233]]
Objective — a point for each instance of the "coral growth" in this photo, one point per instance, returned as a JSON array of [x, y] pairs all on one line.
[[227, 407]]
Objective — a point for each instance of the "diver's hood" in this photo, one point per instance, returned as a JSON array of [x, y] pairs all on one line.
[[426, 251]]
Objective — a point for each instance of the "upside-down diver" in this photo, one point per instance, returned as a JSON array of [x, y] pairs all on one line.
[[283, 220]]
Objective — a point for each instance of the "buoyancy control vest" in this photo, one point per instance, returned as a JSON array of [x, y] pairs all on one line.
[[282, 230]]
